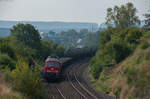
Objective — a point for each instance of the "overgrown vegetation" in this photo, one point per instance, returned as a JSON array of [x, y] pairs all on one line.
[[6, 91], [145, 45], [28, 81], [115, 47], [121, 65], [21, 56], [118, 42]]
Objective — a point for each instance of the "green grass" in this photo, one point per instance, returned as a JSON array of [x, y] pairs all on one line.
[[145, 45]]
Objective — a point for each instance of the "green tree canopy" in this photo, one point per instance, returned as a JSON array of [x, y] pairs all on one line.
[[147, 21], [27, 34], [124, 16]]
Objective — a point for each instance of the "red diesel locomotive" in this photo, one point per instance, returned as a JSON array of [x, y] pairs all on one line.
[[52, 67]]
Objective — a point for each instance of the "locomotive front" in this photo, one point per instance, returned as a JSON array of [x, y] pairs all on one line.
[[52, 67]]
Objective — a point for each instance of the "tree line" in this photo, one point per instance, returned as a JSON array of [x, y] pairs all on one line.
[[73, 39]]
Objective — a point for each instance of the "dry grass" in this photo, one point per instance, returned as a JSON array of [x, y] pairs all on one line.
[[118, 79], [6, 91]]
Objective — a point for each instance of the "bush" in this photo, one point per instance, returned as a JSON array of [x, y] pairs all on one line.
[[118, 50], [104, 87], [95, 71], [145, 45], [27, 81], [6, 61], [134, 35], [147, 56], [115, 45], [5, 48]]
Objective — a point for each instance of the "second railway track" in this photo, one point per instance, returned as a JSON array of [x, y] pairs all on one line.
[[76, 84]]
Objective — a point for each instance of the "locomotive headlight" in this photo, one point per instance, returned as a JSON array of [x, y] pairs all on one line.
[[52, 69]]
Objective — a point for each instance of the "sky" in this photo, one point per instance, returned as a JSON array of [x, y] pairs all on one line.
[[64, 10]]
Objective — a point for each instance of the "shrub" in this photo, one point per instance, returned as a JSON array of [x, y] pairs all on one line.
[[147, 55], [145, 45], [104, 87], [115, 45], [27, 81], [117, 92], [95, 71], [5, 48], [131, 74], [6, 61], [134, 35], [117, 50]]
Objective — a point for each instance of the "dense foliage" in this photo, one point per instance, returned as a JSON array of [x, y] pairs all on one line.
[[28, 81], [27, 34], [116, 43], [21, 58], [147, 21], [114, 47]]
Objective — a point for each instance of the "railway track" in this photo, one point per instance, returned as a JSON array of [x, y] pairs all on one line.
[[84, 87], [71, 83], [73, 87], [77, 85], [55, 92], [61, 94]]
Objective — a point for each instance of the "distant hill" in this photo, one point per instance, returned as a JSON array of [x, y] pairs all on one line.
[[54, 26]]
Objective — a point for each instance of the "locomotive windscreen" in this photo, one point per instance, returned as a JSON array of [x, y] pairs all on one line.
[[50, 64]]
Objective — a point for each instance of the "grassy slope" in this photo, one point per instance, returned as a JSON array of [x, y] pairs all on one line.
[[6, 92], [130, 79]]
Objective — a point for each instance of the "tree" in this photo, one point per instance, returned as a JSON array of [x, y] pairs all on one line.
[[92, 39], [51, 32], [147, 21], [69, 38], [27, 34], [124, 16], [83, 32], [134, 35]]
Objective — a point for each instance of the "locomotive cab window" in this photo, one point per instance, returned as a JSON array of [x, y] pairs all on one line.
[[56, 64], [49, 64]]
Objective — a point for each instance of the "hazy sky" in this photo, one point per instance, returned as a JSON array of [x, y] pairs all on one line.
[[64, 10]]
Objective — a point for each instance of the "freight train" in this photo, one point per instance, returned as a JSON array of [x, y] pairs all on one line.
[[53, 65]]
